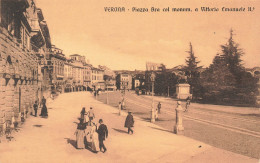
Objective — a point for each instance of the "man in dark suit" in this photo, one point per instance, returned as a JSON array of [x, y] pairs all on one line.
[[129, 122], [35, 106], [102, 135]]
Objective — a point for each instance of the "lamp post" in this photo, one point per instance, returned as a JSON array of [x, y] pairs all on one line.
[[152, 109], [107, 97], [123, 96]]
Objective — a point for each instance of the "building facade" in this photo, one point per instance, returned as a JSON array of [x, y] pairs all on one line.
[[124, 81], [87, 76], [68, 76], [57, 61], [20, 59], [97, 79]]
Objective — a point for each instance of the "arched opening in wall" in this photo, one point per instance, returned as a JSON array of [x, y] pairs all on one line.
[[9, 64]]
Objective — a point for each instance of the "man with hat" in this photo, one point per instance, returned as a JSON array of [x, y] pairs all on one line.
[[102, 135], [129, 122]]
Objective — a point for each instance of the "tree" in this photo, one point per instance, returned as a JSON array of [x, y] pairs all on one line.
[[192, 72], [218, 82], [226, 80], [231, 54], [165, 80]]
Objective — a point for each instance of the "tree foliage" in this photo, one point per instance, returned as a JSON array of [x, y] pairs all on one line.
[[164, 81], [192, 72], [226, 80]]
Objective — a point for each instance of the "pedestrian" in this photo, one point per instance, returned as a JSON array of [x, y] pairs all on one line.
[[92, 136], [156, 114], [91, 114], [159, 107], [129, 122], [83, 115], [43, 100], [123, 103], [80, 134], [44, 111], [119, 108], [31, 107], [187, 104], [35, 106], [102, 135]]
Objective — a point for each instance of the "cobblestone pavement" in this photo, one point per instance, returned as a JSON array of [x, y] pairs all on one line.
[[235, 129]]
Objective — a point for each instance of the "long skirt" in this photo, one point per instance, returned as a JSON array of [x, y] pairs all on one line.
[[44, 111], [95, 142], [80, 139]]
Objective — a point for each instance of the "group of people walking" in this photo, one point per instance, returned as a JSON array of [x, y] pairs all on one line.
[[44, 110], [88, 135], [91, 136]]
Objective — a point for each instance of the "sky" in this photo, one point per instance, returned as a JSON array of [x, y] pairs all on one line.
[[127, 40]]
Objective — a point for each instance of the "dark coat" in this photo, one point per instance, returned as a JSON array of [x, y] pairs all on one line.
[[102, 132], [129, 121], [81, 126], [35, 106], [43, 101]]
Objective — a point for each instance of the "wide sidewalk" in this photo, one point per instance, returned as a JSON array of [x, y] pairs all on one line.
[[53, 140]]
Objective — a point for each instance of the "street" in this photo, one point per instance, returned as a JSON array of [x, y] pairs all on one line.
[[234, 129], [52, 139]]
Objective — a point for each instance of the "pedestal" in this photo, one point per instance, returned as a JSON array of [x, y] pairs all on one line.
[[183, 91]]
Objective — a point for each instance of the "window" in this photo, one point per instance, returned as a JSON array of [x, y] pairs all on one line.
[[22, 34]]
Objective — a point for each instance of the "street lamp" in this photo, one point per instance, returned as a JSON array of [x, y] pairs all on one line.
[[123, 95], [107, 96], [152, 109]]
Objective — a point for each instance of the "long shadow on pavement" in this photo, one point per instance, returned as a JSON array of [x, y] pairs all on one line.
[[161, 129], [146, 119], [37, 125], [139, 113], [121, 131], [72, 142], [252, 115]]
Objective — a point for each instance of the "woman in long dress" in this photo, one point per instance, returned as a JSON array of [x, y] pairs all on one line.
[[80, 134], [83, 115], [92, 136]]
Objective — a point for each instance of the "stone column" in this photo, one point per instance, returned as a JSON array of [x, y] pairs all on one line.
[[178, 128]]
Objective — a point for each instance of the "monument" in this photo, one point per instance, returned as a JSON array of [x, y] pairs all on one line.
[[183, 91]]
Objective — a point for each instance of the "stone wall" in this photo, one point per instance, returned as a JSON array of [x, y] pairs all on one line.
[[18, 79]]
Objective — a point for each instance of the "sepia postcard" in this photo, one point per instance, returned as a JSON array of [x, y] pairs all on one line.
[[120, 81]]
